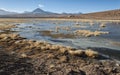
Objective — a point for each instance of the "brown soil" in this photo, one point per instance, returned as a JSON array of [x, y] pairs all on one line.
[[105, 15], [26, 57]]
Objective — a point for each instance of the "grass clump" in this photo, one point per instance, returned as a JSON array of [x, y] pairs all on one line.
[[91, 53]]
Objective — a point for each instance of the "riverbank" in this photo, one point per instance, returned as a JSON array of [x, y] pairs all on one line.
[[30, 57], [45, 58]]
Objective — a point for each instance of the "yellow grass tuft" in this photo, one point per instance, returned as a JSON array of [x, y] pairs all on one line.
[[13, 36], [88, 33], [63, 59], [54, 47], [6, 27], [63, 50], [76, 52], [91, 53]]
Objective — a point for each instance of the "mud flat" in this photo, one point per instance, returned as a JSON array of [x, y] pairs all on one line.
[[20, 56], [56, 35]]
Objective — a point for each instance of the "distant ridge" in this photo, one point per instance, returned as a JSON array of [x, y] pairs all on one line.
[[5, 12], [39, 13], [111, 14]]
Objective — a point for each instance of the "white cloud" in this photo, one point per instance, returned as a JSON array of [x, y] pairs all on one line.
[[41, 6], [10, 10], [3, 9]]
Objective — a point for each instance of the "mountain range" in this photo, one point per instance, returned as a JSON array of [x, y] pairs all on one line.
[[4, 12], [37, 11]]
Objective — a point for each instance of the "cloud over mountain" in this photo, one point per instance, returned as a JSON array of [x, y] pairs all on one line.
[[40, 5]]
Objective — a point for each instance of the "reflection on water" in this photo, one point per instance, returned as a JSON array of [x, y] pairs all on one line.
[[61, 32]]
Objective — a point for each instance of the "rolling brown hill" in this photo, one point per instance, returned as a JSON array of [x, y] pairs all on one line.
[[112, 14]]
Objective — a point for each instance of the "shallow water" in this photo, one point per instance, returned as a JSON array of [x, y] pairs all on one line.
[[34, 29]]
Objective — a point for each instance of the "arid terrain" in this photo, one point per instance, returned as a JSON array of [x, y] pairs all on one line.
[[103, 15], [108, 15], [22, 56]]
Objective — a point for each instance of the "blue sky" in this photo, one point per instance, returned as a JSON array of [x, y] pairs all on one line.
[[59, 6]]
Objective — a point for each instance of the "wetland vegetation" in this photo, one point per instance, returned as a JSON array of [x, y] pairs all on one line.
[[35, 48]]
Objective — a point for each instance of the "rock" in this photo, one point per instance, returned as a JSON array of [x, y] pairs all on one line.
[[51, 66], [23, 55], [117, 64], [12, 52]]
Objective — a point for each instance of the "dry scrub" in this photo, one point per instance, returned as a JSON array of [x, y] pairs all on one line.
[[88, 33], [29, 44], [6, 27]]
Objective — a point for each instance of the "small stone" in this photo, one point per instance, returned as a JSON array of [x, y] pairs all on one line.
[[23, 55], [12, 52], [52, 66], [117, 64]]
